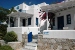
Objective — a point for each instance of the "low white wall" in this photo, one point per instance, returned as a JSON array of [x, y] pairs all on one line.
[[66, 34], [20, 30], [34, 30], [17, 30]]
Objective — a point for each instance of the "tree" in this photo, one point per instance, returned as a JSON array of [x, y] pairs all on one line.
[[4, 18], [3, 31], [12, 10], [3, 14]]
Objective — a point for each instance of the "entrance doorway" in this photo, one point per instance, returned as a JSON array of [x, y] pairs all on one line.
[[24, 22], [60, 22]]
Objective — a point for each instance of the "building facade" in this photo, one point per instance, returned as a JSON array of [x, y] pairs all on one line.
[[64, 19], [26, 19]]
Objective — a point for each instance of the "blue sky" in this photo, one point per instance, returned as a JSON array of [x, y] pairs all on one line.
[[11, 3]]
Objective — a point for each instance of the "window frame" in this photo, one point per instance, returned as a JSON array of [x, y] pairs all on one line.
[[29, 21], [68, 18]]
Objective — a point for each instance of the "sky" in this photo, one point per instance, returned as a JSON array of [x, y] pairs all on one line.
[[11, 3]]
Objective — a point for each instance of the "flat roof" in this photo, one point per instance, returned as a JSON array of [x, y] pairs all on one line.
[[20, 14]]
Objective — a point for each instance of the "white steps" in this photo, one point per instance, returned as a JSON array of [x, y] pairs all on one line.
[[30, 46]]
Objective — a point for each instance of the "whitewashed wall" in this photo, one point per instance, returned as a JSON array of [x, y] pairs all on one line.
[[17, 30], [64, 13], [33, 9], [34, 30], [22, 6], [36, 14], [21, 30], [25, 6], [65, 34], [21, 23]]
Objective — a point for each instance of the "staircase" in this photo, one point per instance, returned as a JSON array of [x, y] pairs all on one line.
[[30, 46]]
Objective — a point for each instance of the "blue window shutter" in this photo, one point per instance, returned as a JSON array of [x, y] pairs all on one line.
[[29, 21], [37, 21]]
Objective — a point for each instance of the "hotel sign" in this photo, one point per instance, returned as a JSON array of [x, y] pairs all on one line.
[[46, 33]]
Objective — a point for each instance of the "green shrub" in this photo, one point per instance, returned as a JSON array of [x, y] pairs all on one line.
[[10, 37], [0, 44], [3, 31], [6, 47]]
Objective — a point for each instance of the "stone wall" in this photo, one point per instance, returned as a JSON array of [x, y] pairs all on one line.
[[2, 42], [24, 39], [55, 43], [15, 45]]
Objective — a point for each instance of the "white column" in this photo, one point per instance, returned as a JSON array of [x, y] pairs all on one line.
[[39, 24], [9, 22], [18, 21], [47, 18]]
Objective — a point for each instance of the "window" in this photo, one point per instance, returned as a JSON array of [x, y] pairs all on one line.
[[40, 10], [20, 10], [29, 21], [17, 7], [37, 21], [24, 22], [68, 19], [53, 21]]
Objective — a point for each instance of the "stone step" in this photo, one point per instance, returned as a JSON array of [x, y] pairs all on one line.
[[31, 44], [30, 47]]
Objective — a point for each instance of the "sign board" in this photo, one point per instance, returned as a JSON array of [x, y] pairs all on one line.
[[46, 33]]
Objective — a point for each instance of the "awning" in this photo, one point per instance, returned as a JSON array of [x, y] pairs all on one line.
[[20, 14], [59, 6]]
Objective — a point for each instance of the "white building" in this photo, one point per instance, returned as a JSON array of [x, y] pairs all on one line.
[[64, 20], [26, 19]]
